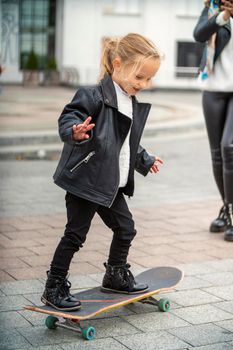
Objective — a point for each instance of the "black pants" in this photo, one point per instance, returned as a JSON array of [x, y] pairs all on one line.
[[80, 213], [218, 112]]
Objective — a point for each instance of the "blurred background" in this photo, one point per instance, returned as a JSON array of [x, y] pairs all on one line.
[[61, 40], [50, 47]]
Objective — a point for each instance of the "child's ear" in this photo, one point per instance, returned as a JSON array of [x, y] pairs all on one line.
[[116, 63]]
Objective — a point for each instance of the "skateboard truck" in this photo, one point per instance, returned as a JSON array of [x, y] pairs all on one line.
[[162, 304], [87, 333]]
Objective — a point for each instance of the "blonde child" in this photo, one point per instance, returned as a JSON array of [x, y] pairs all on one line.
[[101, 129]]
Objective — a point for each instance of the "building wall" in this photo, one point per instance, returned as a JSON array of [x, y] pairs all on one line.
[[167, 22], [0, 31], [59, 33], [82, 25], [9, 54], [86, 23]]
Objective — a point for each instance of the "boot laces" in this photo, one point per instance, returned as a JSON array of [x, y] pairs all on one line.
[[230, 215], [66, 285], [127, 274], [63, 287], [222, 212]]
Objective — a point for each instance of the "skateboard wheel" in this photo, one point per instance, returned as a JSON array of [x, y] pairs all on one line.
[[164, 305], [88, 333], [50, 322]]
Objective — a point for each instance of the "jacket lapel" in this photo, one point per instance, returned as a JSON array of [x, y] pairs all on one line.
[[109, 92]]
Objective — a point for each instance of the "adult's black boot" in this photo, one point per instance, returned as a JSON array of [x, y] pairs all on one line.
[[228, 235], [119, 279], [57, 294], [220, 223]]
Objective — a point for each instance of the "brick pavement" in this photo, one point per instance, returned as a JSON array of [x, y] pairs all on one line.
[[202, 305], [166, 235], [27, 243]]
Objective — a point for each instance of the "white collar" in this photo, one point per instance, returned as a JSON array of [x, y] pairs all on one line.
[[119, 89]]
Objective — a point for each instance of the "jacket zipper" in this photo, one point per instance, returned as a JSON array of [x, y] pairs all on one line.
[[85, 160]]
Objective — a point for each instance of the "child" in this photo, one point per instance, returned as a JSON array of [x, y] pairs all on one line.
[[101, 129]]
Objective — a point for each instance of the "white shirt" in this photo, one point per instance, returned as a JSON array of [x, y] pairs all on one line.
[[222, 77], [124, 103]]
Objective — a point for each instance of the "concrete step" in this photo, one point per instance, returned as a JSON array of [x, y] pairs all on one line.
[[35, 151], [178, 126], [29, 137], [47, 144]]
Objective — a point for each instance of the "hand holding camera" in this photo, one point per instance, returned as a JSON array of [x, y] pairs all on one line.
[[227, 7]]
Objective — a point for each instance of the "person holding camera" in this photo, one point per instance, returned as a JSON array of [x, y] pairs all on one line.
[[214, 28]]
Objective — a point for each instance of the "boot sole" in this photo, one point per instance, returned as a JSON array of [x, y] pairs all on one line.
[[108, 290], [228, 239], [47, 303], [217, 230]]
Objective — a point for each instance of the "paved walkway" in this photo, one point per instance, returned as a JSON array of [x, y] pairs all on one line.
[[28, 118], [169, 233], [25, 109], [202, 305]]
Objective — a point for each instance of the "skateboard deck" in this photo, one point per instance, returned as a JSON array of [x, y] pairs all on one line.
[[95, 302]]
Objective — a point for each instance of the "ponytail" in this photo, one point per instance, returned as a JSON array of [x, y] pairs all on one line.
[[109, 53], [131, 49]]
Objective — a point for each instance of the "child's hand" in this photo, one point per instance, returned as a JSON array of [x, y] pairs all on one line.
[[80, 130], [155, 166]]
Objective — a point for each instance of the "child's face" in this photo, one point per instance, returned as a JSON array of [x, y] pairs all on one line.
[[133, 80]]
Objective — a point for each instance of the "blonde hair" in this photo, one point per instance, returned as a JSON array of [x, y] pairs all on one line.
[[131, 49]]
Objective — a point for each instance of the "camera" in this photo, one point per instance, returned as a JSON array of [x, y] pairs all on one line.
[[218, 2]]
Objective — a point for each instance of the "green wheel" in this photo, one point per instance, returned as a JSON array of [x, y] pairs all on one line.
[[50, 322], [88, 333], [164, 305]]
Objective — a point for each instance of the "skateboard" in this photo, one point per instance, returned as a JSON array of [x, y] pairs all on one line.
[[95, 302]]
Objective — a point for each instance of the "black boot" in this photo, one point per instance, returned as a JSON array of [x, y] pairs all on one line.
[[228, 235], [220, 223], [119, 279], [57, 294]]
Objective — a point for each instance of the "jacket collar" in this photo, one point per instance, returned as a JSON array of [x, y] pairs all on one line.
[[109, 92]]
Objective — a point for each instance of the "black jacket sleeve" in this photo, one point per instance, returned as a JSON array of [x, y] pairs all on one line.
[[144, 161], [205, 27], [83, 105]]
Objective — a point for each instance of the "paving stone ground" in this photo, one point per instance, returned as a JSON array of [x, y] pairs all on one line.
[[172, 215], [201, 315]]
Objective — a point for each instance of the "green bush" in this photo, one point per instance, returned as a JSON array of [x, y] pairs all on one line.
[[32, 62], [52, 64]]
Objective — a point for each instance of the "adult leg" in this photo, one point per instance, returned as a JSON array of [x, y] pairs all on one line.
[[227, 151], [79, 215], [118, 277], [214, 108]]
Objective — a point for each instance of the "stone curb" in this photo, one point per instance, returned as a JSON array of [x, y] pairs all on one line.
[[46, 144]]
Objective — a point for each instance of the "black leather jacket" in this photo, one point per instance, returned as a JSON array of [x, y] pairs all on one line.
[[205, 28], [90, 169]]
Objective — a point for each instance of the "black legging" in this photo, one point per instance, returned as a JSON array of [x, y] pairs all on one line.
[[218, 112]]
